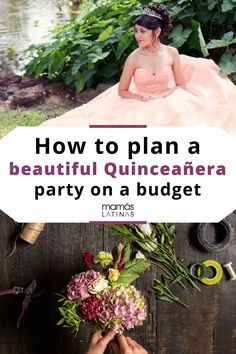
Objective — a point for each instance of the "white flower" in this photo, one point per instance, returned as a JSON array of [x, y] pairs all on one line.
[[140, 255], [98, 286], [145, 228]]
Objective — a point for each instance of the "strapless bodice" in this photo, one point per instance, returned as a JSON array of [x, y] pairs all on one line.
[[145, 81], [208, 100]]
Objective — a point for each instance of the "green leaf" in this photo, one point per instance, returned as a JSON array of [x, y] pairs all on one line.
[[211, 4], [127, 250], [69, 78], [105, 34], [226, 40], [56, 62], [62, 320], [162, 239], [177, 279], [227, 5], [126, 277], [143, 245], [103, 24], [165, 298], [97, 56], [180, 35], [30, 68], [124, 43], [78, 63], [137, 265], [62, 311], [41, 67], [79, 82], [172, 231], [87, 74], [85, 43], [198, 40], [50, 49], [228, 62], [85, 8], [132, 270]]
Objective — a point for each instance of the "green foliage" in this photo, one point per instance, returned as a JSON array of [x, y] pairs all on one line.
[[160, 247], [132, 270], [127, 253], [70, 317], [92, 47], [205, 28], [228, 63], [164, 293]]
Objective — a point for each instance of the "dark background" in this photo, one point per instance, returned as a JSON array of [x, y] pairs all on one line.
[[208, 326]]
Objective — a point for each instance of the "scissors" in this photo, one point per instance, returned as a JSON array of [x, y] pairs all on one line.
[[29, 294]]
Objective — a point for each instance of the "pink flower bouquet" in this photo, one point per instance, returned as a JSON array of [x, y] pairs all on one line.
[[105, 298]]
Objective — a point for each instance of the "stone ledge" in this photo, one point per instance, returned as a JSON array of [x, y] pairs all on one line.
[[19, 91]]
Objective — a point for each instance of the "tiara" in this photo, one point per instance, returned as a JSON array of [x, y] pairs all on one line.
[[151, 13]]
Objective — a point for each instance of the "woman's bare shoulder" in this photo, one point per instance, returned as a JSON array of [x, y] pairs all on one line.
[[133, 56], [171, 50]]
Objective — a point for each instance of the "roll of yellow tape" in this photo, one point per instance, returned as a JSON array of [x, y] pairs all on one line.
[[217, 270]]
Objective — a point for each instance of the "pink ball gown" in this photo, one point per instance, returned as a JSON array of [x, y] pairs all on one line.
[[209, 100]]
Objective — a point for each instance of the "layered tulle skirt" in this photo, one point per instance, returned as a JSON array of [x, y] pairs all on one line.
[[209, 100]]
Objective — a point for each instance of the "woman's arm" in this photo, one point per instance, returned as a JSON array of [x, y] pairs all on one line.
[[177, 70], [125, 79]]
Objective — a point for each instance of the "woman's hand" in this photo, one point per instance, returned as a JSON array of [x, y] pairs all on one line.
[[145, 98], [98, 343], [127, 345]]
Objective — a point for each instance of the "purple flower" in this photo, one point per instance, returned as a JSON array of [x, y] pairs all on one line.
[[122, 307], [79, 284]]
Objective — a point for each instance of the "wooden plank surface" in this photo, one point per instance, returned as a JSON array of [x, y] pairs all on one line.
[[208, 326]]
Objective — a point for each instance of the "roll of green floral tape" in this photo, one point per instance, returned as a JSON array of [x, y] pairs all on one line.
[[194, 267], [218, 272]]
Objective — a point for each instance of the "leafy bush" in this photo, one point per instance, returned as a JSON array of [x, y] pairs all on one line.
[[90, 48], [93, 46], [205, 28]]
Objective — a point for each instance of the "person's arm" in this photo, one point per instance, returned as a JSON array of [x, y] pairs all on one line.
[[125, 81], [177, 70]]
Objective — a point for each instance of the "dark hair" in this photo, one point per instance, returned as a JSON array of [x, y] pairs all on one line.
[[153, 23]]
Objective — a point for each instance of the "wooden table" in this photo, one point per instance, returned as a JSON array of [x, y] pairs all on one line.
[[208, 326]]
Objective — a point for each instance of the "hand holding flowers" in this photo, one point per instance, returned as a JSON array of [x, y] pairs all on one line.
[[98, 343], [106, 299], [123, 345], [127, 345]]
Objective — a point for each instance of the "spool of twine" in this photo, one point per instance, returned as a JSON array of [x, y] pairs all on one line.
[[216, 246], [31, 232]]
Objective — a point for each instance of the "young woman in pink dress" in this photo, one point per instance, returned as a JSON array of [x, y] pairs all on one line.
[[160, 87]]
